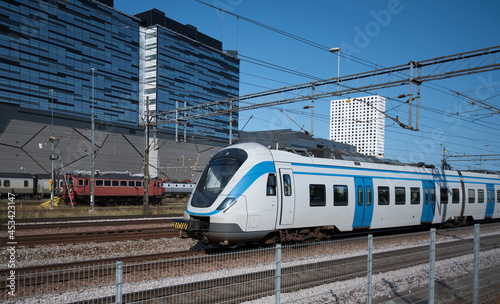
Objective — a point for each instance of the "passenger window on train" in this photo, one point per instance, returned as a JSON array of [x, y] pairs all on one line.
[[400, 195], [383, 195], [138, 183], [99, 183], [0, 183], [368, 195], [415, 196], [114, 183], [317, 195], [455, 196], [340, 195], [443, 197], [360, 195], [271, 185], [480, 196], [472, 196], [80, 182], [498, 196], [26, 183], [6, 183], [107, 183], [287, 185], [123, 183], [131, 183]]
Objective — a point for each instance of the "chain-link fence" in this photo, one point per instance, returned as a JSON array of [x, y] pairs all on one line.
[[441, 266]]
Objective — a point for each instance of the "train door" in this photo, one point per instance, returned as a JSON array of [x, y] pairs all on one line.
[[287, 197], [364, 202], [429, 206], [490, 200]]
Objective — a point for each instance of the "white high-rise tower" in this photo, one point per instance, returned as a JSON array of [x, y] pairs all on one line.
[[357, 122]]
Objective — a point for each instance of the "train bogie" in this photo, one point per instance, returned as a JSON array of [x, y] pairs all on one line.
[[250, 193]]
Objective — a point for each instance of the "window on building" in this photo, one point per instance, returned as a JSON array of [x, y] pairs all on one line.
[[317, 195], [340, 195], [383, 195]]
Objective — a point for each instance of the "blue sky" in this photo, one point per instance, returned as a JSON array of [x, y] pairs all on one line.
[[387, 33]]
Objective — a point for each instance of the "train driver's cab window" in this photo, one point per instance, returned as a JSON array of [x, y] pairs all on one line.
[[80, 182], [287, 185], [443, 195], [271, 185], [455, 193], [317, 195], [26, 183], [340, 195], [480, 196], [415, 195], [400, 195], [472, 196], [383, 195]]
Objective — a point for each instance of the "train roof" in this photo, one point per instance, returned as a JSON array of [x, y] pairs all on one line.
[[110, 175]]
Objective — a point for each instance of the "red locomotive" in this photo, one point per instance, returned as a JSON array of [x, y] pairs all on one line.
[[111, 188]]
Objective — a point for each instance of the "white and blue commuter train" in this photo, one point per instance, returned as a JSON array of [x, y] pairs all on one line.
[[249, 193]]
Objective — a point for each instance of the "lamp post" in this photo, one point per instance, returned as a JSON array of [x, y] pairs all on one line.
[[92, 170], [337, 50]]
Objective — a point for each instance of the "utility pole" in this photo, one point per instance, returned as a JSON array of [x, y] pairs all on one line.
[[145, 200], [52, 153], [92, 153]]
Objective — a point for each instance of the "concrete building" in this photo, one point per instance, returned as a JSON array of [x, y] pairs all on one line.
[[61, 60], [359, 122]]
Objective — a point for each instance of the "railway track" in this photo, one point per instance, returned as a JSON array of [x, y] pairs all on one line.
[[91, 229], [230, 288]]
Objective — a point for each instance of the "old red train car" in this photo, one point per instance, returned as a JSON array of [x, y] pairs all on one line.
[[111, 188]]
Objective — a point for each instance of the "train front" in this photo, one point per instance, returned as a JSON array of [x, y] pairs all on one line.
[[217, 211]]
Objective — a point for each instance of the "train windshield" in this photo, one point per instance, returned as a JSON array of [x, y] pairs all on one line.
[[217, 174]]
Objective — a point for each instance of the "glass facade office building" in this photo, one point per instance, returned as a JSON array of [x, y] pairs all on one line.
[[183, 67], [48, 48]]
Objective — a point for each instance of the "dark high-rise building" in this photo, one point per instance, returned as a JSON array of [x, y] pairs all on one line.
[[61, 59]]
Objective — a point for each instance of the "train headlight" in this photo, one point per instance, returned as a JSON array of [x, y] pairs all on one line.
[[227, 203]]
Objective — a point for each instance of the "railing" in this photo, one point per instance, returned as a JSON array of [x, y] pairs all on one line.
[[435, 267]]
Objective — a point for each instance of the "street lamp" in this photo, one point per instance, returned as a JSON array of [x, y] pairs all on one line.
[[337, 50]]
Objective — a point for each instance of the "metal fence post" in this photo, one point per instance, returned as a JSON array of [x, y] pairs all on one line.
[[369, 270], [119, 282], [475, 283], [432, 270], [278, 274]]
